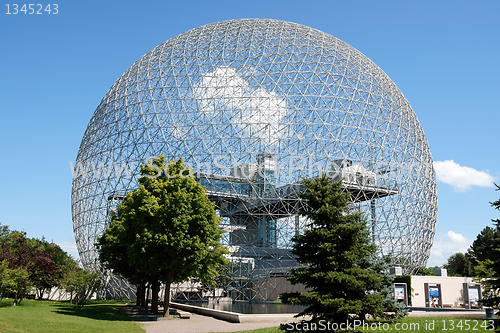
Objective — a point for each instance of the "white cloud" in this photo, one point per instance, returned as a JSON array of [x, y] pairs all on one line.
[[70, 248], [445, 245], [258, 112], [461, 178]]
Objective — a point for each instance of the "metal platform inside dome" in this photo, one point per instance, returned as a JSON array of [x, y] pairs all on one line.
[[278, 202]]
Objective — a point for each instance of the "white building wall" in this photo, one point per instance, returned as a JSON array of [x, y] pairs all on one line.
[[57, 294], [451, 289]]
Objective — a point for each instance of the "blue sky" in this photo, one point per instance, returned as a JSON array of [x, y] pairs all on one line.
[[54, 70]]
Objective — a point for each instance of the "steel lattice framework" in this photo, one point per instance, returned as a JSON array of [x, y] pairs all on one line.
[[253, 106]]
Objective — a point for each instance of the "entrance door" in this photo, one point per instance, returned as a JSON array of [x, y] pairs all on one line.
[[433, 297], [472, 295]]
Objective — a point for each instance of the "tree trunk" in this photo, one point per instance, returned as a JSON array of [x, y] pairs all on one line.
[[146, 296], [143, 294], [139, 294], [154, 295], [41, 291], [166, 301]]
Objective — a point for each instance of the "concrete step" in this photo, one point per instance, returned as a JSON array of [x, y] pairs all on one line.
[[181, 314]]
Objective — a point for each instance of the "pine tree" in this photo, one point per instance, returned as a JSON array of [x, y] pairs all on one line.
[[459, 264], [337, 259], [483, 245]]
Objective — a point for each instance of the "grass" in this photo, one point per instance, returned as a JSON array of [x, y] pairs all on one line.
[[110, 316], [424, 324], [55, 317]]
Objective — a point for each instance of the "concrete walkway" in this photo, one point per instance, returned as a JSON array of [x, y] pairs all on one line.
[[201, 324], [196, 324], [459, 313]]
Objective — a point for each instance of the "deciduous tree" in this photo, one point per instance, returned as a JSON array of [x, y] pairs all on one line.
[[31, 256], [4, 233], [168, 227], [114, 255], [4, 277], [80, 283], [17, 282], [43, 261]]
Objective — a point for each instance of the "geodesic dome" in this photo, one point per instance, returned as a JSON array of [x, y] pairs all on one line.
[[253, 106]]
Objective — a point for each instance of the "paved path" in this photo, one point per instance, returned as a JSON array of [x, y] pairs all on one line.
[[451, 313], [201, 324], [196, 324]]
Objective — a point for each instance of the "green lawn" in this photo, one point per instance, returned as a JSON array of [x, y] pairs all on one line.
[[55, 317]]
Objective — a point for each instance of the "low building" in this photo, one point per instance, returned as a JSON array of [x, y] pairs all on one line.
[[445, 291], [439, 291]]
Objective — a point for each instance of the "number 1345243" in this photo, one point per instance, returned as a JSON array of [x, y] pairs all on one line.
[[32, 8]]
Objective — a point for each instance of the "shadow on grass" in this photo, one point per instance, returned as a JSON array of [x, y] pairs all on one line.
[[109, 312]]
